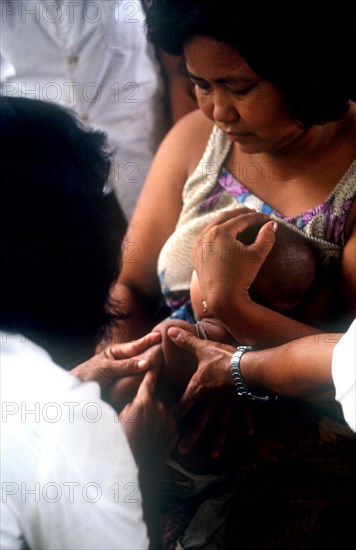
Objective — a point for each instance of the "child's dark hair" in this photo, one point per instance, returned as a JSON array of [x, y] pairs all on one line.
[[60, 235]]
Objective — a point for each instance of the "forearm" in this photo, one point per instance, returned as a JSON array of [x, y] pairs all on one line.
[[300, 369], [253, 324]]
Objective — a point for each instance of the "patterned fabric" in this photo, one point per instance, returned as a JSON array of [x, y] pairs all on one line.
[[334, 217], [211, 189]]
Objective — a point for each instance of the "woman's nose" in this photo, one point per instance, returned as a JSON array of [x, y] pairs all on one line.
[[224, 110]]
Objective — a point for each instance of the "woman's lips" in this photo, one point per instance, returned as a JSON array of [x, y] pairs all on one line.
[[238, 136]]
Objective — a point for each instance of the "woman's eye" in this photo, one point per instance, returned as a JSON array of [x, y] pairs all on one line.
[[202, 86], [244, 91]]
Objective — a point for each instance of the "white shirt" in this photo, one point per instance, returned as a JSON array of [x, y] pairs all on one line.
[[344, 374], [91, 56], [68, 478]]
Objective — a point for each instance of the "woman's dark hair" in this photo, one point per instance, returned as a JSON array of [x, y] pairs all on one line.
[[60, 235], [307, 48]]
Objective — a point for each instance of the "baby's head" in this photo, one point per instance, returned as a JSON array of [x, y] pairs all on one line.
[[288, 272], [286, 276]]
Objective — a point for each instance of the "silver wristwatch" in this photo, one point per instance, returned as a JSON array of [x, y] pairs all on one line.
[[242, 388]]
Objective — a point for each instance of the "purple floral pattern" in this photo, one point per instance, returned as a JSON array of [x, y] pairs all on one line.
[[334, 224]]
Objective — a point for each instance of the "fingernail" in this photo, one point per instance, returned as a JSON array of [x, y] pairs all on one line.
[[142, 364], [274, 226]]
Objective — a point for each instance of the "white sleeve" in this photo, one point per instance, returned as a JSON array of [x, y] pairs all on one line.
[[344, 374]]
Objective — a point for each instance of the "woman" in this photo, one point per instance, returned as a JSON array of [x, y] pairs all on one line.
[[272, 136]]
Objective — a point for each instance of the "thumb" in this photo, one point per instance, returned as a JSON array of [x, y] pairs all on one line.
[[266, 237], [185, 339]]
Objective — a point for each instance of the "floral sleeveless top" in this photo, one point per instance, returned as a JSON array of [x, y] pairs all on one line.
[[211, 189]]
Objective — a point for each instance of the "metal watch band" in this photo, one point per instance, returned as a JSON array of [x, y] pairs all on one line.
[[242, 389]]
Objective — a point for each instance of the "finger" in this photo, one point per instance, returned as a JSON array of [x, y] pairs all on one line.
[[104, 371], [195, 346], [234, 227], [266, 238], [107, 372], [130, 349], [234, 214], [147, 387], [238, 224], [206, 244], [127, 367], [258, 251], [185, 340], [227, 215]]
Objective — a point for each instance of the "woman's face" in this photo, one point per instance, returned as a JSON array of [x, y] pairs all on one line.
[[248, 108]]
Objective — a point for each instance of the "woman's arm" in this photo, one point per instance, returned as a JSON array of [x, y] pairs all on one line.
[[137, 291], [300, 369]]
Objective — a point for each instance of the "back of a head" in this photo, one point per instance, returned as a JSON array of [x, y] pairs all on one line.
[[58, 249], [286, 278]]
